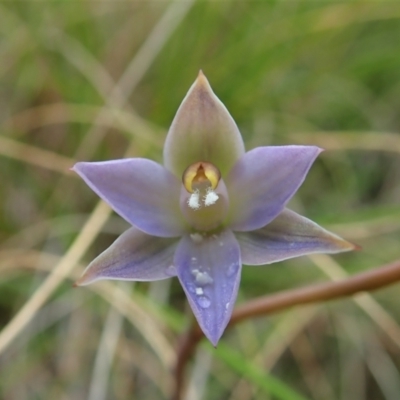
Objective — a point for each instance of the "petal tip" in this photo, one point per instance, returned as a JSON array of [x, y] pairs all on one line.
[[317, 151], [213, 337], [214, 342], [77, 167], [346, 245], [355, 246], [84, 280], [201, 75], [202, 82]]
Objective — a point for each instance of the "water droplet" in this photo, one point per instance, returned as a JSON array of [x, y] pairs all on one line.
[[171, 270], [227, 305], [204, 301], [202, 278], [191, 287], [199, 291], [194, 259], [232, 269]]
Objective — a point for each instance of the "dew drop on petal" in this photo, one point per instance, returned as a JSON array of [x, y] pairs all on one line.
[[204, 301], [232, 269], [199, 291], [227, 305], [202, 278], [192, 288]]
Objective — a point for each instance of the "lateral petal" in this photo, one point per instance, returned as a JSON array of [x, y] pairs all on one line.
[[288, 235], [134, 256], [209, 269], [140, 191], [263, 181]]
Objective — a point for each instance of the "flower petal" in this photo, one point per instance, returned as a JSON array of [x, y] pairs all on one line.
[[140, 190], [209, 270], [288, 235], [202, 130], [263, 181], [134, 256]]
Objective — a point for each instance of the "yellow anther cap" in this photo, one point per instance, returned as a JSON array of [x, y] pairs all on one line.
[[201, 174]]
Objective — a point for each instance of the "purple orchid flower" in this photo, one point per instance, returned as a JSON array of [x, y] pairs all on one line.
[[209, 209]]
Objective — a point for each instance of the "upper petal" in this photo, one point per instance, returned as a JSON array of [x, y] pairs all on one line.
[[202, 130], [140, 190], [209, 270], [263, 181], [134, 256], [288, 235]]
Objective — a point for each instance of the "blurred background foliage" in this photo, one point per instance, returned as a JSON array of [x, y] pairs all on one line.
[[96, 80]]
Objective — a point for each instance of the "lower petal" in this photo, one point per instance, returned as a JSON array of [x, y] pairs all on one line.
[[287, 236], [134, 256], [209, 269]]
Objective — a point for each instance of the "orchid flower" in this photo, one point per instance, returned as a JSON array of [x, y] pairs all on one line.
[[209, 209]]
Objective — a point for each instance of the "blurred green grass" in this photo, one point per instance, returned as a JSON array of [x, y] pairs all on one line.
[[325, 73]]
